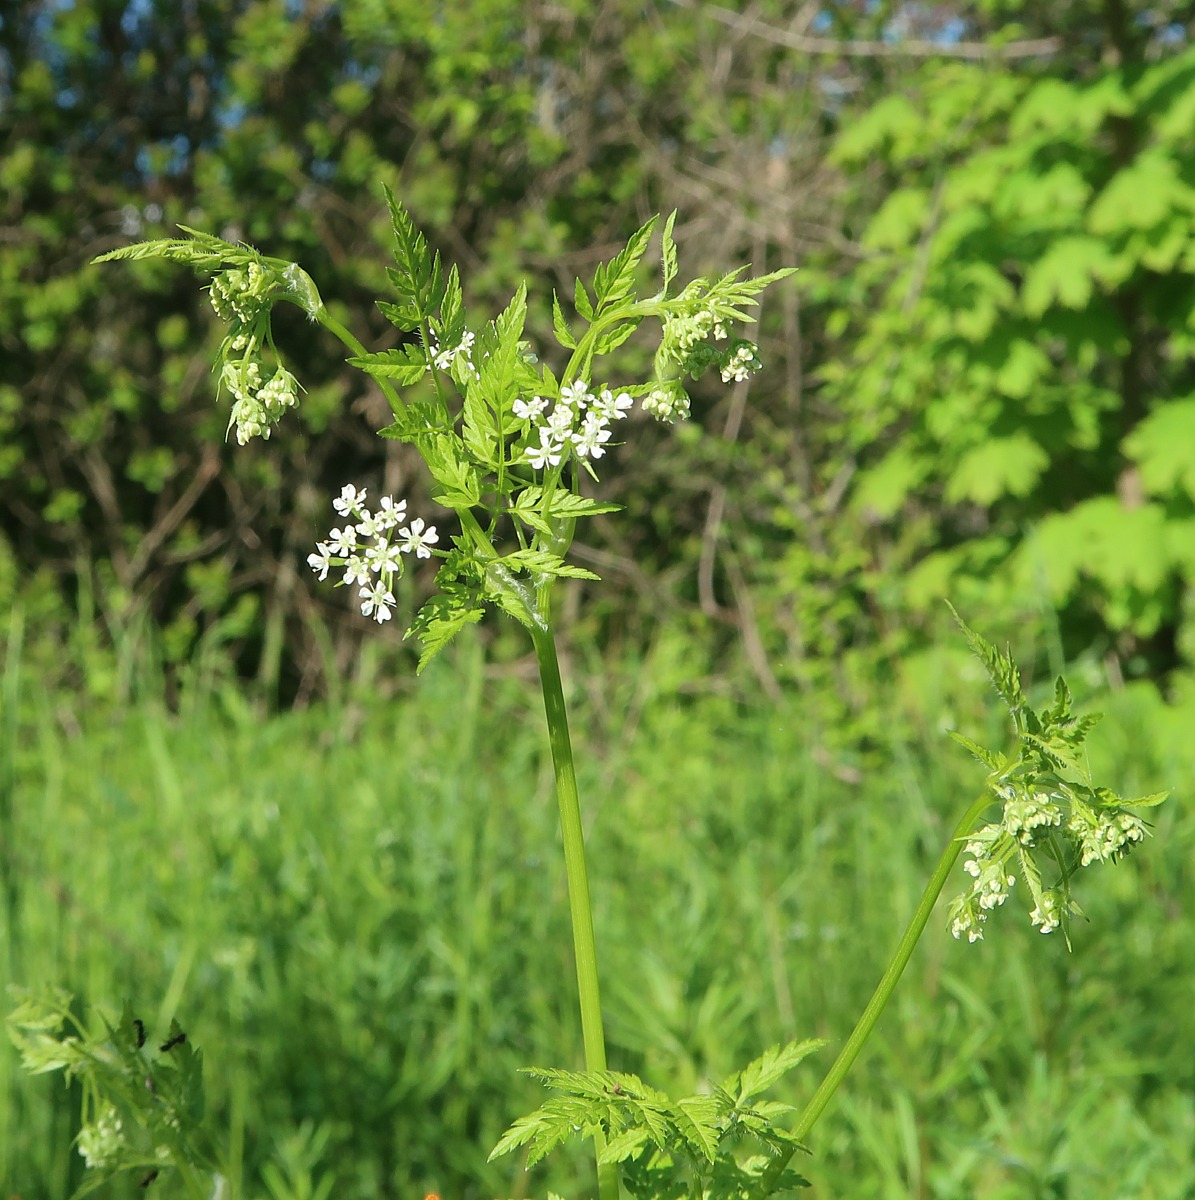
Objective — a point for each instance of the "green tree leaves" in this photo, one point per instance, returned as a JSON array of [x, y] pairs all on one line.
[[1018, 334]]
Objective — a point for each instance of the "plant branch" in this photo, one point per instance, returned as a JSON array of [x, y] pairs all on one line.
[[880, 997], [333, 326]]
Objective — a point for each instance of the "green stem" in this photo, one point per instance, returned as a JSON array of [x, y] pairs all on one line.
[[333, 326], [584, 947], [880, 997]]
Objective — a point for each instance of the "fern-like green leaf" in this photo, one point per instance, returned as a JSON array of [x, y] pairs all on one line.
[[1000, 668], [419, 279], [614, 281], [199, 250], [696, 1119], [406, 365], [627, 1144], [581, 301], [564, 335], [990, 759], [668, 251], [544, 562], [772, 1065], [440, 620], [1150, 801]]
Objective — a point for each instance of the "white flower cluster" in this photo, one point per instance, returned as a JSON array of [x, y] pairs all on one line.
[[1025, 814], [1097, 835], [101, 1140], [1048, 913], [240, 293], [990, 887], [370, 547], [668, 403], [257, 404], [444, 359], [742, 363], [1104, 837], [685, 345], [578, 423]]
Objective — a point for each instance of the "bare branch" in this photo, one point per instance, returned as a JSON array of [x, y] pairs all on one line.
[[904, 48]]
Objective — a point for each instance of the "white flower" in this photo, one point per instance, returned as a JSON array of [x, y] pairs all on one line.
[[547, 453], [343, 542], [99, 1143], [350, 500], [390, 512], [612, 407], [382, 557], [575, 393], [969, 922], [376, 601], [1025, 814], [740, 365], [668, 403], [529, 410], [369, 525], [589, 442], [560, 423], [445, 358], [281, 391], [1046, 914], [320, 561], [418, 538], [356, 570]]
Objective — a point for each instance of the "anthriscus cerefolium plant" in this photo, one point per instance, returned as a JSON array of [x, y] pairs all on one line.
[[506, 442]]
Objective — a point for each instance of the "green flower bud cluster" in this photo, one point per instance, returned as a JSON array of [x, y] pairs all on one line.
[[257, 404], [740, 362], [685, 350], [1104, 836], [244, 296], [243, 293], [1052, 814], [1097, 829]]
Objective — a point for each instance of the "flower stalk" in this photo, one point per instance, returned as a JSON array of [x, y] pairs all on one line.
[[577, 874], [879, 998]]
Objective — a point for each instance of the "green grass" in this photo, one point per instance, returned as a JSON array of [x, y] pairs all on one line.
[[359, 914]]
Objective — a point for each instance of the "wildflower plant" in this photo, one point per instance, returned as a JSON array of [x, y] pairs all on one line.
[[143, 1100], [508, 443], [1053, 819]]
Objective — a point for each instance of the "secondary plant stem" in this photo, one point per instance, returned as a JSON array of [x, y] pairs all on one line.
[[880, 997], [333, 326], [584, 948]]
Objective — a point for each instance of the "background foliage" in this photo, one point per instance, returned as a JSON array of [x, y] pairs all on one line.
[[977, 384]]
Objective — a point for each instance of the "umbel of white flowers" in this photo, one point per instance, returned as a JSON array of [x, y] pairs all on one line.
[[369, 546]]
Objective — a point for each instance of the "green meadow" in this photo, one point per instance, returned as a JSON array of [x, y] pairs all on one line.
[[357, 912]]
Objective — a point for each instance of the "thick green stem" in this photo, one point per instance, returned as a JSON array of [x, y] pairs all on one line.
[[584, 948], [880, 997]]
